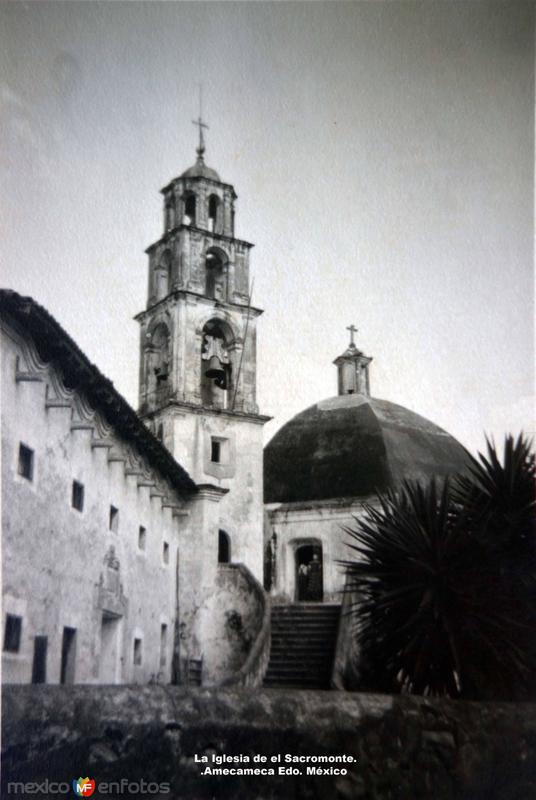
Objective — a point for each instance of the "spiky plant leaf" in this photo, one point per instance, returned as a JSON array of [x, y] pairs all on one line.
[[438, 612]]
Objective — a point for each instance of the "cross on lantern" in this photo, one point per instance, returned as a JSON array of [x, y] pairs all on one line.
[[352, 330]]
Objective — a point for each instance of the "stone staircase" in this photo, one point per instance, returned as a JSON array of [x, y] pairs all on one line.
[[303, 645]]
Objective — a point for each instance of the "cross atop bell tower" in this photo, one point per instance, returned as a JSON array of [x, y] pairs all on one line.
[[200, 124]]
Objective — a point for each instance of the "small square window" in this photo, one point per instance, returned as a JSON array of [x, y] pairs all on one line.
[[165, 553], [12, 633], [26, 462], [114, 519], [78, 496], [142, 537], [137, 652], [219, 450]]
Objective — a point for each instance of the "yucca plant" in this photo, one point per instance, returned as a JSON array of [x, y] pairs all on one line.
[[497, 502], [433, 569]]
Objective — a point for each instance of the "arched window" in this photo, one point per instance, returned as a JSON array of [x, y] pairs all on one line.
[[189, 202], [215, 277], [163, 276], [214, 213], [158, 359], [169, 214], [224, 548], [216, 367]]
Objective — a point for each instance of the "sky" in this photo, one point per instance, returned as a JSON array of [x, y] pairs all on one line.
[[382, 154]]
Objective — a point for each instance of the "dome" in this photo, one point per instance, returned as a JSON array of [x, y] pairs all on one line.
[[200, 170], [354, 446]]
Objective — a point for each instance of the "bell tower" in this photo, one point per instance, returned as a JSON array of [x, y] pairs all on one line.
[[198, 357]]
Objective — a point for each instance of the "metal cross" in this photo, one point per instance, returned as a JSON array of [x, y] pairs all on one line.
[[200, 124], [352, 330]]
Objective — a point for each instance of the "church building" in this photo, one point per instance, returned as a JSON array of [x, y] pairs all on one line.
[[164, 545]]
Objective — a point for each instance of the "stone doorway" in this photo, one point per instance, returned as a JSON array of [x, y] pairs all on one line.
[[308, 573], [109, 649]]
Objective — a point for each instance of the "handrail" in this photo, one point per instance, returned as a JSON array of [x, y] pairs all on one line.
[[252, 671]]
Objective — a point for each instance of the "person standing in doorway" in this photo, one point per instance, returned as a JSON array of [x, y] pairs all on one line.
[[303, 575], [314, 580]]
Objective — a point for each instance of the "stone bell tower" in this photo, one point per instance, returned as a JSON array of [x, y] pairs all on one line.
[[198, 353]]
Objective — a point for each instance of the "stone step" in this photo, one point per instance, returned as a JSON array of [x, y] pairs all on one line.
[[298, 674], [300, 655], [322, 646], [279, 612], [305, 623], [300, 682], [303, 633]]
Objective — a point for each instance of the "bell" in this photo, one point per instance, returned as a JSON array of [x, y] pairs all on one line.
[[216, 372]]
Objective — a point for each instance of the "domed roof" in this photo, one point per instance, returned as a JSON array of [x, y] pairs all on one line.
[[352, 446], [200, 170]]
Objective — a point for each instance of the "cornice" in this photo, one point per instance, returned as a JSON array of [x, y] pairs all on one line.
[[217, 236], [256, 312]]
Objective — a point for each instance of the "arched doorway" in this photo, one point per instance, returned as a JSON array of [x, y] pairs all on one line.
[[308, 573]]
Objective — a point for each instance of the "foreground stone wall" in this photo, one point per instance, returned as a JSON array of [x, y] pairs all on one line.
[[404, 747]]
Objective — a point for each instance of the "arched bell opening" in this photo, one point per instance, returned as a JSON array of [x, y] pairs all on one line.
[[216, 366], [224, 548], [215, 274], [163, 276], [308, 573], [157, 355], [169, 214], [214, 214], [189, 203]]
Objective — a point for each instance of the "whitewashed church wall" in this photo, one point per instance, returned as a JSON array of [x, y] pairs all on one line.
[[58, 562], [240, 472]]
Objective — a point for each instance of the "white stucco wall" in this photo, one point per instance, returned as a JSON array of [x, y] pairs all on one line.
[[54, 555], [241, 509]]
